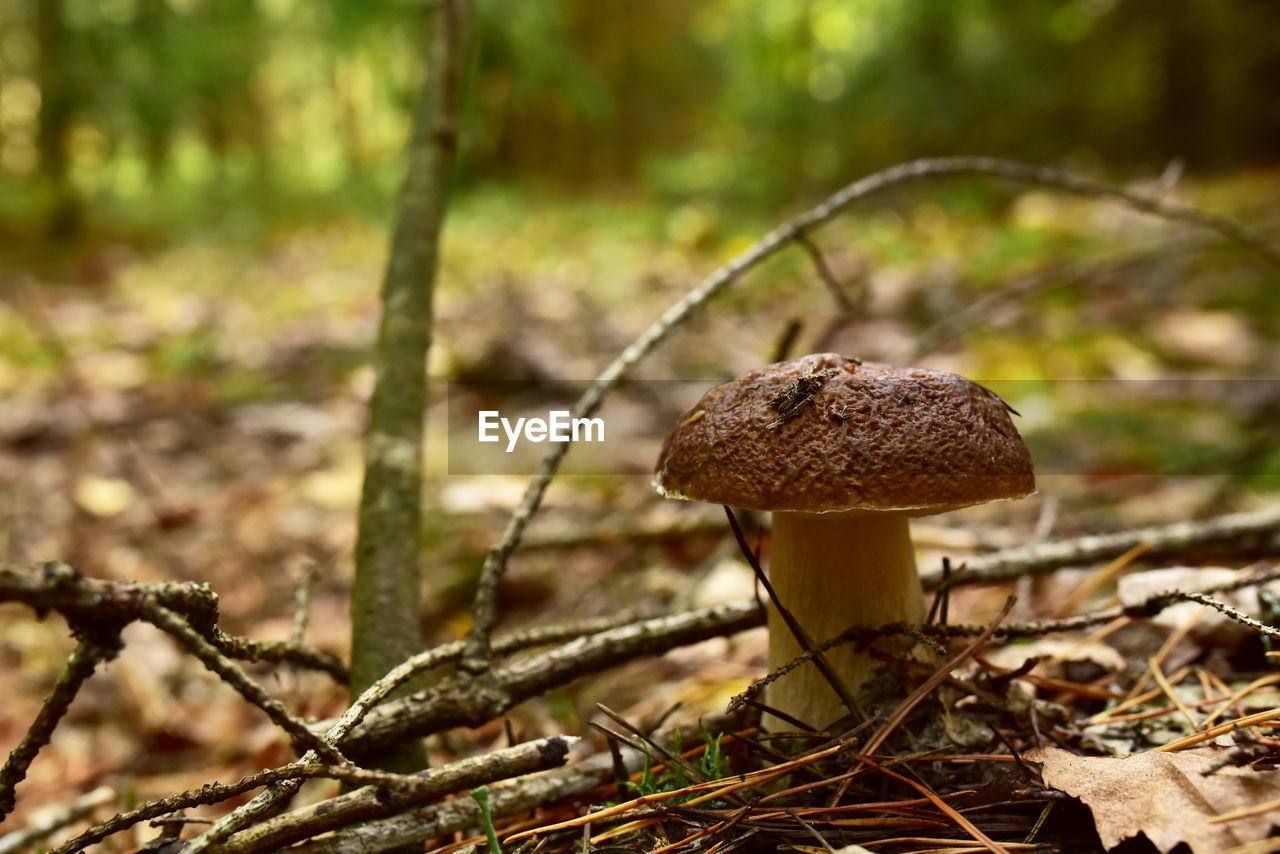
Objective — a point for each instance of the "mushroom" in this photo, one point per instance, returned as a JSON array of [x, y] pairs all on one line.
[[843, 454]]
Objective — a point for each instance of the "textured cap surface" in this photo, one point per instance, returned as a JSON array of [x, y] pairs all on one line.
[[824, 433]]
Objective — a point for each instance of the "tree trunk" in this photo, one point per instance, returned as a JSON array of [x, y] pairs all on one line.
[[57, 107], [386, 594]]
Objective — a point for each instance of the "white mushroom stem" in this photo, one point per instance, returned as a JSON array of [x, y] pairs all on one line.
[[833, 571]]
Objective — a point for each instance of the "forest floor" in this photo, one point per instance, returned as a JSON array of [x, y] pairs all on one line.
[[193, 412]]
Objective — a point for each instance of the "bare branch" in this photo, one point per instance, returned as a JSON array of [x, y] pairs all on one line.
[[302, 603], [1260, 526], [56, 586], [270, 652], [506, 800], [459, 814], [372, 802], [1039, 628], [823, 269], [448, 653], [463, 702], [226, 669], [21, 840], [1242, 618], [80, 666]]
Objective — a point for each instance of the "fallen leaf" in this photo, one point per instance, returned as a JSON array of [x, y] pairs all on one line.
[[103, 496], [1164, 796]]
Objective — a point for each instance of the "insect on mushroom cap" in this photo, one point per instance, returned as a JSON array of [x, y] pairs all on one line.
[[826, 433]]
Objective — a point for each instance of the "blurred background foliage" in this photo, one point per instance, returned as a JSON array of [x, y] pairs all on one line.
[[160, 111]]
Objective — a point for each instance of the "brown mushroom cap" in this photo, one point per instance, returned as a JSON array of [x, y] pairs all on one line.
[[823, 434]]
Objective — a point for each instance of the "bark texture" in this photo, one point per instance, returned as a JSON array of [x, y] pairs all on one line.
[[388, 578]]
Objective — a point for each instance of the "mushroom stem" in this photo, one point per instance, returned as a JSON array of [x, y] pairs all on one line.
[[833, 571]]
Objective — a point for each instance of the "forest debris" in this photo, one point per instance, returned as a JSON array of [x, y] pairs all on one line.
[[103, 496], [49, 820], [374, 801], [729, 580], [1216, 337], [1140, 586], [507, 799], [1165, 796], [797, 396], [1054, 652], [1261, 528]]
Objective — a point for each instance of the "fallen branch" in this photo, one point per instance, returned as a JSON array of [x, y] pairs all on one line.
[[1014, 631], [338, 732], [374, 802], [427, 822], [1261, 527], [52, 822], [228, 671], [56, 586], [80, 665], [519, 796], [460, 701]]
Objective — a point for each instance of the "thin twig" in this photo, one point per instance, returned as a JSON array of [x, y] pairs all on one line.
[[1244, 619], [56, 586], [477, 657], [823, 269], [226, 669], [302, 603], [519, 796], [1011, 631], [80, 665], [53, 821], [1162, 541], [793, 625], [425, 785], [273, 652], [463, 702], [370, 803]]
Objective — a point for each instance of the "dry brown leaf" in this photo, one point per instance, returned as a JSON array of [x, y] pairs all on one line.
[[1164, 796]]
